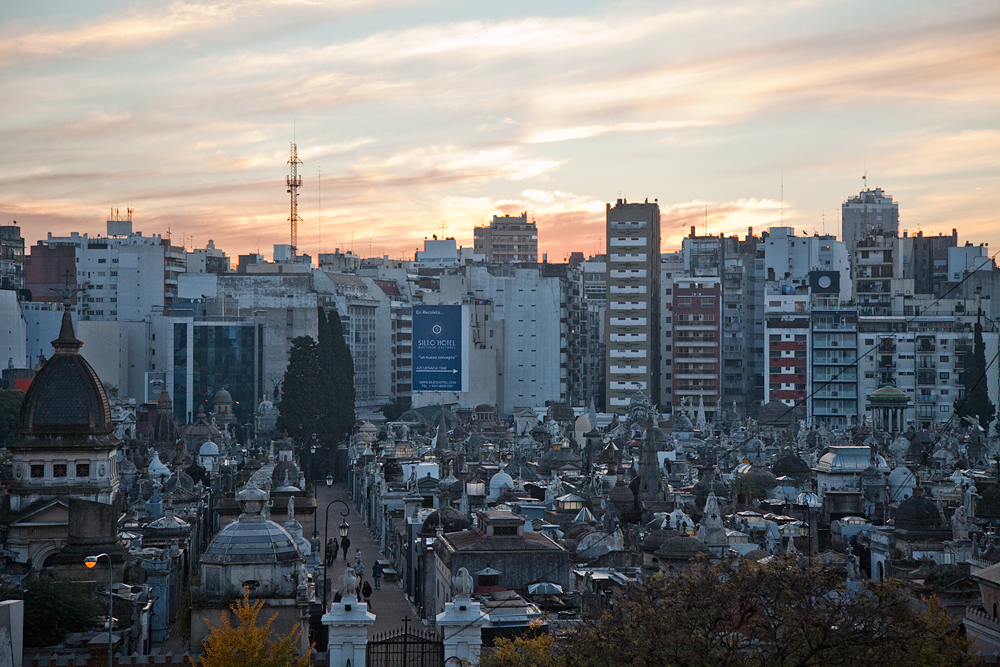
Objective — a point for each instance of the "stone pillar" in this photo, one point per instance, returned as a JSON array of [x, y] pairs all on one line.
[[347, 627], [461, 625], [158, 577]]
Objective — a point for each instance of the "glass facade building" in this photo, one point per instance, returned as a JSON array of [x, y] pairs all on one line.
[[213, 355]]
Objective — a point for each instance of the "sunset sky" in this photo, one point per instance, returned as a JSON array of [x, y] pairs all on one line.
[[430, 117]]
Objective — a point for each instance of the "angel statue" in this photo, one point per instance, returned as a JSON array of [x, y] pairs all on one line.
[[463, 584], [348, 582]]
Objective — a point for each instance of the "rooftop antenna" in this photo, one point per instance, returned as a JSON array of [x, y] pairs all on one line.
[[781, 214], [824, 222], [706, 220], [293, 181]]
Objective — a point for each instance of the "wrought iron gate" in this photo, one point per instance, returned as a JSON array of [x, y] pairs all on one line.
[[405, 648]]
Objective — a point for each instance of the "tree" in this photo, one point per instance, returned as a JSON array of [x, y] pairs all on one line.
[[746, 614], [248, 644], [317, 392], [301, 409], [338, 366], [976, 401], [52, 607], [10, 412], [537, 651]]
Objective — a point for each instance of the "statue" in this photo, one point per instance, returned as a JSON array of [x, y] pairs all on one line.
[[291, 508], [348, 582], [959, 524], [971, 494], [463, 584]]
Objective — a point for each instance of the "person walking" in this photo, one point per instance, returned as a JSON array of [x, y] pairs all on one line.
[[345, 544], [377, 572], [359, 570], [366, 591], [357, 556], [331, 551]]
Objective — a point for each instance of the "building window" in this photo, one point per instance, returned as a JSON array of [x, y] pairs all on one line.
[[58, 469], [37, 470], [945, 408], [83, 470], [944, 358]]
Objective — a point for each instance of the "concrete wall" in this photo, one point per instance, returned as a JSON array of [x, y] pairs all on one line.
[[529, 307], [13, 332]]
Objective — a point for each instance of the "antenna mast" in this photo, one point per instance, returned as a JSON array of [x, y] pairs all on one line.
[[294, 182]]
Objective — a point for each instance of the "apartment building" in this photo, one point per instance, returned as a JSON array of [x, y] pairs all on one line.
[[632, 303], [508, 239]]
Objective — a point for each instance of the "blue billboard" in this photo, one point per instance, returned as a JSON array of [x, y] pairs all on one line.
[[439, 349]]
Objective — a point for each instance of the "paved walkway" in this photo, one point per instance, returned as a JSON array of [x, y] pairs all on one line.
[[389, 604]]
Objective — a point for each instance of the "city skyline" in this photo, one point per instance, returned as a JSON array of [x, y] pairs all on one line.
[[429, 118]]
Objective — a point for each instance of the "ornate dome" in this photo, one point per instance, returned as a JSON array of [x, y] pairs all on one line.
[[208, 448], [657, 538], [450, 520], [66, 397], [157, 469], [760, 478], [682, 547], [917, 513], [222, 396], [251, 539], [500, 480], [682, 424], [792, 465], [889, 395]]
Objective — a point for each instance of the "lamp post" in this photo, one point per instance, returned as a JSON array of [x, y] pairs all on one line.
[[342, 529], [90, 562]]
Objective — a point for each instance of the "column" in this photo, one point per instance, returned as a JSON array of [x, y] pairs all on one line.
[[461, 625], [347, 627]]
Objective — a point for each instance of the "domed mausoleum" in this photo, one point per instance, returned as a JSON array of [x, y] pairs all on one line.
[[64, 459], [261, 557]]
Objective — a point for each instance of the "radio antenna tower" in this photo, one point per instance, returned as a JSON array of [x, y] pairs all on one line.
[[294, 182]]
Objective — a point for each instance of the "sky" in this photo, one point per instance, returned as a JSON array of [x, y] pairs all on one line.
[[418, 118]]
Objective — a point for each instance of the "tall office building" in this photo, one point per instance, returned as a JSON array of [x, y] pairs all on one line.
[[509, 238], [633, 302], [870, 212]]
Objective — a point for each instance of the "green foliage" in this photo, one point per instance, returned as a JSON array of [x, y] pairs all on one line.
[[248, 644], [52, 607], [317, 392], [10, 413], [976, 401], [746, 614], [335, 358]]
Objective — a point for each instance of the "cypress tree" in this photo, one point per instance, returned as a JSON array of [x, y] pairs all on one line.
[[342, 377], [976, 401], [301, 387]]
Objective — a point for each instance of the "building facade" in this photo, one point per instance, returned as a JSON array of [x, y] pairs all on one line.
[[508, 238], [633, 304]]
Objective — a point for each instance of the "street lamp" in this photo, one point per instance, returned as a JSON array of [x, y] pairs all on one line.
[[90, 562], [342, 529]]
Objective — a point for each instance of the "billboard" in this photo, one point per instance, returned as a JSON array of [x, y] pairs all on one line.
[[440, 348]]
